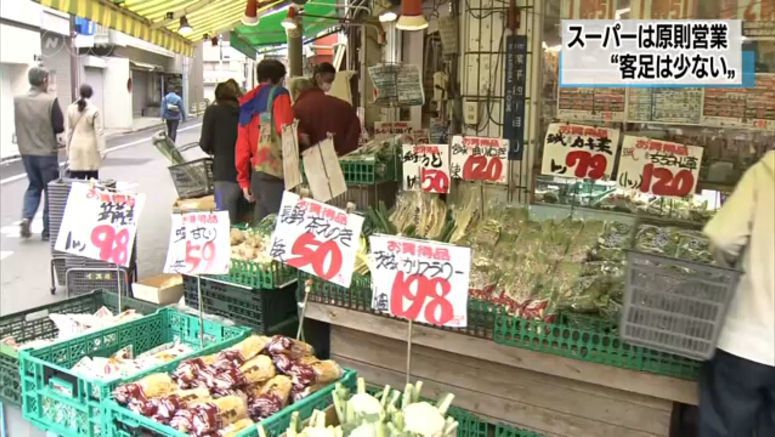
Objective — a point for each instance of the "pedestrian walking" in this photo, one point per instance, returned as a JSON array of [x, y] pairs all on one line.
[[263, 113], [219, 138], [38, 121], [737, 386], [172, 112], [85, 137]]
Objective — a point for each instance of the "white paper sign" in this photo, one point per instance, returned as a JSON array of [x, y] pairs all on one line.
[[316, 238], [291, 172], [199, 244], [480, 159], [581, 152], [420, 280], [100, 224], [659, 167], [426, 167], [321, 166]]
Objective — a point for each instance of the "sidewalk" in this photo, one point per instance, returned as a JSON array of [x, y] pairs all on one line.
[[138, 124]]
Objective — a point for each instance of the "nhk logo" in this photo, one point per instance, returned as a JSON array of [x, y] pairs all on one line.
[[52, 44]]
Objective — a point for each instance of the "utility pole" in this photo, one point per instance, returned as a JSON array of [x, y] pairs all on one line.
[[295, 51]]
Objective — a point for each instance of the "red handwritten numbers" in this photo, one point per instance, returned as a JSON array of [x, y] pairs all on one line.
[[417, 290], [324, 257], [434, 181], [587, 165], [113, 246], [196, 253], [662, 181], [482, 168]]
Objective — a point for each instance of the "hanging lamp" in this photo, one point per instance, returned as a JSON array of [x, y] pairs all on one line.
[[411, 16], [251, 13], [185, 28], [290, 21]]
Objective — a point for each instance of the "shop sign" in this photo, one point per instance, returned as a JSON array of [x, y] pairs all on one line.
[[199, 244], [591, 104], [426, 167], [420, 280], [316, 238], [100, 224], [588, 9], [581, 152], [480, 159], [397, 85], [659, 167], [758, 16]]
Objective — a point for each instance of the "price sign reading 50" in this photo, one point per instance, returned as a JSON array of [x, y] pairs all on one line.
[[325, 258]]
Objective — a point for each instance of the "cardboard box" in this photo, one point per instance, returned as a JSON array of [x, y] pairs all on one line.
[[163, 289]]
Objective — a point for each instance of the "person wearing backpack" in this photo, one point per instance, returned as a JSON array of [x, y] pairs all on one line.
[[259, 159], [85, 137], [172, 113]]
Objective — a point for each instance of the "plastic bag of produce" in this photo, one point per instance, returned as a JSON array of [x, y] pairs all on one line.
[[258, 369], [270, 398], [153, 385], [656, 240], [235, 428], [293, 349], [693, 246], [217, 414]]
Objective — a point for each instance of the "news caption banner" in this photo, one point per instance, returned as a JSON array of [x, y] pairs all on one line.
[[316, 238], [426, 167], [480, 159], [579, 151], [100, 224], [616, 53], [199, 244], [419, 280], [659, 167]]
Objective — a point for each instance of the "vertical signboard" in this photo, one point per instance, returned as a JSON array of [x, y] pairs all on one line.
[[514, 95]]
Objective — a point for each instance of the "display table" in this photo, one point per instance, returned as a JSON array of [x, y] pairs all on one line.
[[553, 395]]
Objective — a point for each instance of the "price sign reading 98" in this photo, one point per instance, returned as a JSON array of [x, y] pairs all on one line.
[[199, 244], [420, 280], [659, 167], [580, 152], [100, 224], [316, 238], [426, 167], [480, 159]]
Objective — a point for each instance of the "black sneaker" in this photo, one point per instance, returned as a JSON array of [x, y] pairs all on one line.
[[44, 237], [25, 228]]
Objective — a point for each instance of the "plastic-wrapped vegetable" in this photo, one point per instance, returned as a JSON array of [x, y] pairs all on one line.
[[153, 385], [293, 349], [213, 416]]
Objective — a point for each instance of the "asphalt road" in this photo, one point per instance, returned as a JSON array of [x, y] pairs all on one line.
[[24, 265]]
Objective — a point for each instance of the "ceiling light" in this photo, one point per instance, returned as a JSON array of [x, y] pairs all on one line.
[[387, 17], [411, 16], [290, 22], [185, 28], [251, 13]]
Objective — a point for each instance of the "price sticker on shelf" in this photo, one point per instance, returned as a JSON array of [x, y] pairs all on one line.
[[199, 244], [419, 280], [580, 152], [316, 238], [426, 167], [100, 224], [480, 159], [659, 167]]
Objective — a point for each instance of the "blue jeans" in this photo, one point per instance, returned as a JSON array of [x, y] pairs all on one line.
[[40, 171]]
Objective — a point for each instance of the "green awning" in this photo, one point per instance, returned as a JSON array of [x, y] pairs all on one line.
[[318, 16]]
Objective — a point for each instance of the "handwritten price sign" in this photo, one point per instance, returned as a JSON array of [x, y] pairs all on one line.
[[100, 224], [199, 244], [581, 152], [480, 159], [316, 238], [426, 167], [420, 280], [658, 167]]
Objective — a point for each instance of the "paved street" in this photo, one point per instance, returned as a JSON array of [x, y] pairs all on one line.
[[24, 265]]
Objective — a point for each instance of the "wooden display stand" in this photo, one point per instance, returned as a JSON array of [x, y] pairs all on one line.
[[552, 395]]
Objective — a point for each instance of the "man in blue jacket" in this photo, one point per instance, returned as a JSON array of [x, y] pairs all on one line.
[[172, 113]]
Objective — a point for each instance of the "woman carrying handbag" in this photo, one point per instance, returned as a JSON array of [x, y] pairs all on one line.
[[85, 137]]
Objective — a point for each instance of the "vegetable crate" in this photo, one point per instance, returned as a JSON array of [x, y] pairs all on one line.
[[193, 178], [503, 430], [481, 315], [34, 324], [595, 341], [259, 309], [370, 171], [256, 275], [56, 399], [675, 306], [127, 423]]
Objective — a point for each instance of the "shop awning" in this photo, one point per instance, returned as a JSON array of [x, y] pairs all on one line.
[[318, 16]]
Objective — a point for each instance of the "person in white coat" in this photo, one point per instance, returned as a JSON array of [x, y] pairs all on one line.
[[85, 137], [737, 386]]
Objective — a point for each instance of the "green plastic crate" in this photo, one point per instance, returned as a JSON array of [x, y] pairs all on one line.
[[34, 324], [256, 308], [261, 276], [370, 171], [503, 430], [127, 423], [57, 400], [589, 340]]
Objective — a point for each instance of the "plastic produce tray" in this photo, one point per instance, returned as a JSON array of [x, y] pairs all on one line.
[[262, 276], [595, 340], [503, 430], [370, 171], [56, 399], [193, 178], [259, 309], [675, 306], [127, 423], [34, 324]]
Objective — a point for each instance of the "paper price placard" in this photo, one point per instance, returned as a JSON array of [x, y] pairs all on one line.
[[581, 152], [199, 244], [480, 159], [659, 167], [420, 280], [100, 224], [316, 238], [426, 167]]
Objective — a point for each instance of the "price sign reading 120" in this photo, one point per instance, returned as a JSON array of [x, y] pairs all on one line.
[[480, 159], [659, 167], [420, 280]]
